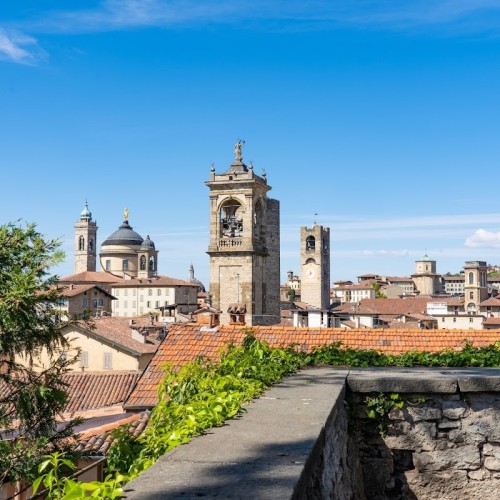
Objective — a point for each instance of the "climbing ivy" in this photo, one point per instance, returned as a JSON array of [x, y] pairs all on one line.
[[378, 408], [204, 393]]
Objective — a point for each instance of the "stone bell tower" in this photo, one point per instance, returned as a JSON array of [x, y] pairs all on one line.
[[315, 262], [244, 246], [85, 242], [476, 285]]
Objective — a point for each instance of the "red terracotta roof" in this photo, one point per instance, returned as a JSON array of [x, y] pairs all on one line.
[[91, 277], [396, 306], [491, 321], [151, 282], [491, 301], [118, 331], [98, 440], [72, 290], [91, 390], [186, 342]]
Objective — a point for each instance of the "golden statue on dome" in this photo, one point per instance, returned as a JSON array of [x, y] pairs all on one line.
[[125, 214]]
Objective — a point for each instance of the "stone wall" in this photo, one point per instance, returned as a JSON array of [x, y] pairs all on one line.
[[309, 438], [437, 446]]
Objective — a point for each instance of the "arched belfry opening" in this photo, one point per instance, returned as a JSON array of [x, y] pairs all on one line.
[[311, 243], [231, 219]]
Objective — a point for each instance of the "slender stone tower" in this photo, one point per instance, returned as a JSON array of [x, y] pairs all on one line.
[[476, 285], [315, 262], [85, 242], [244, 246]]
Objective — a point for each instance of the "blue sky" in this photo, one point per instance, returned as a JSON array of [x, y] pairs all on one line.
[[381, 116]]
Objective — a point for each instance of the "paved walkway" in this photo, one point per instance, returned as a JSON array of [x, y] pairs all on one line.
[[258, 456]]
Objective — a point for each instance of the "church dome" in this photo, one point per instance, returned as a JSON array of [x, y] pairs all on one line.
[[147, 244], [86, 213], [124, 235]]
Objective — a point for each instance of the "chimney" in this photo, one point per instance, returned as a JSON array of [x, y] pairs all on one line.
[[139, 336]]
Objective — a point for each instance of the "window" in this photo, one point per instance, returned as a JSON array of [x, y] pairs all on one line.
[[108, 265], [166, 303], [143, 263], [157, 303], [125, 265], [81, 243], [148, 303], [471, 320], [116, 293], [108, 361], [442, 320], [91, 244], [101, 302], [134, 304], [141, 298], [85, 302], [471, 278], [94, 303], [84, 359], [125, 304], [125, 292], [454, 320], [158, 291], [150, 292], [471, 295]]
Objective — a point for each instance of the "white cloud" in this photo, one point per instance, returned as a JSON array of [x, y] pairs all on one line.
[[19, 48], [483, 239], [122, 14]]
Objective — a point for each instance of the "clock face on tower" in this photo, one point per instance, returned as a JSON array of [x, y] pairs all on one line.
[[310, 273]]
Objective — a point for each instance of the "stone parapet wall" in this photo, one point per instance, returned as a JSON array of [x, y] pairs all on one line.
[[309, 438], [438, 445]]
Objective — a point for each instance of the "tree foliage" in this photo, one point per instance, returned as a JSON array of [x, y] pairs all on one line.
[[30, 398]]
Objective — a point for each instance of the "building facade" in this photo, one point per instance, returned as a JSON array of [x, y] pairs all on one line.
[[244, 246], [164, 296]]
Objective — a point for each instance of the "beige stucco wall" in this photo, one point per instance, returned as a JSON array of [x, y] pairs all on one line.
[[116, 254], [121, 360], [460, 322]]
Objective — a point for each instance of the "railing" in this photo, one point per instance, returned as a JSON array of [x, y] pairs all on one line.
[[232, 242]]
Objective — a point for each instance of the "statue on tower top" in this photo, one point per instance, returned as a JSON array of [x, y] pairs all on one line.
[[125, 214], [237, 150]]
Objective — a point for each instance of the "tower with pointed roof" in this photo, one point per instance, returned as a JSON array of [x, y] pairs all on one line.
[[85, 242], [244, 246]]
